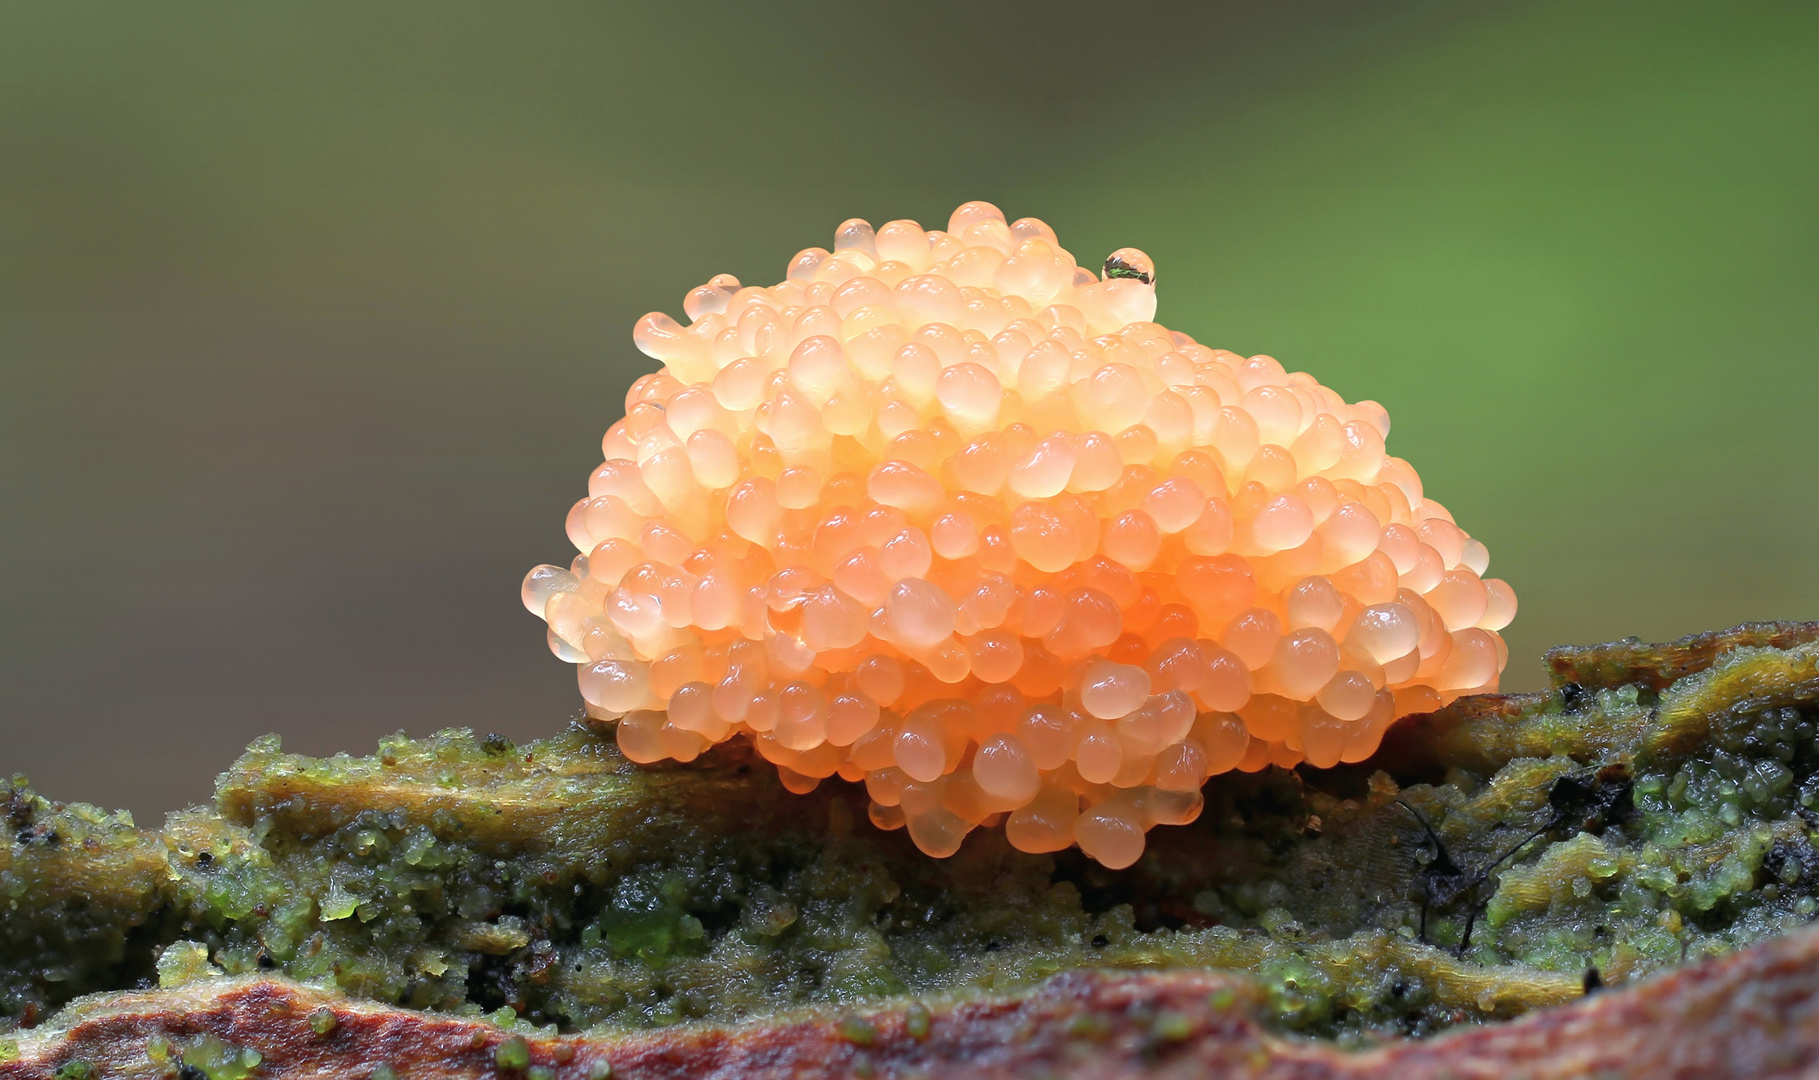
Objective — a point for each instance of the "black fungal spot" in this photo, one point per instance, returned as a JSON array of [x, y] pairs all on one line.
[[17, 808], [1793, 863], [1592, 802], [39, 834]]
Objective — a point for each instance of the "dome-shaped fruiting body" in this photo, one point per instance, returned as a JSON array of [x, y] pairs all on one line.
[[946, 513]]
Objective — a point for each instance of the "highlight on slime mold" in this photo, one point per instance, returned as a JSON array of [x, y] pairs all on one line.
[[948, 514]]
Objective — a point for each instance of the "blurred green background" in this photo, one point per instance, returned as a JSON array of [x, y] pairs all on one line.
[[311, 316]]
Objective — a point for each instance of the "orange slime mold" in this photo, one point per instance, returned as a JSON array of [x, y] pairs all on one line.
[[948, 514]]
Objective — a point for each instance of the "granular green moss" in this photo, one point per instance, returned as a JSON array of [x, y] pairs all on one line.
[[84, 901], [1477, 869]]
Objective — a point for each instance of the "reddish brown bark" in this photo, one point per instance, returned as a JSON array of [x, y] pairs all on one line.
[[1751, 1014]]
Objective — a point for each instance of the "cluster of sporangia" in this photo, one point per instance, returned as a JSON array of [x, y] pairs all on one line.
[[946, 513]]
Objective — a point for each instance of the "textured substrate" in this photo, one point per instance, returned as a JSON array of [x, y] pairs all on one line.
[[1753, 1014], [1651, 811]]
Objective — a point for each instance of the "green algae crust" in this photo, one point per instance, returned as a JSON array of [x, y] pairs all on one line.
[[1655, 807]]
